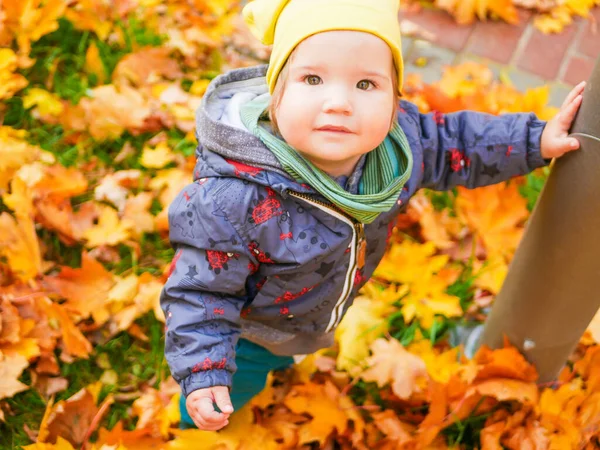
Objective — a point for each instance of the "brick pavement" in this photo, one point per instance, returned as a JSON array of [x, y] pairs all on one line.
[[529, 57]]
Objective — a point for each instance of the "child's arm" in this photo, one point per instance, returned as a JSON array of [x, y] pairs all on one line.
[[206, 290], [475, 149]]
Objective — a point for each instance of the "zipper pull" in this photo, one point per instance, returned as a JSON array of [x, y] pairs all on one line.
[[361, 246], [361, 253]]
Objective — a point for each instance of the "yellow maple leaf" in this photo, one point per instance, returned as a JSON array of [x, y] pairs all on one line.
[[427, 298], [18, 239], [14, 153], [441, 366], [137, 210], [23, 344], [465, 11], [29, 20], [93, 63], [564, 400], [392, 363], [362, 324], [151, 410], [465, 79], [146, 299], [10, 82], [491, 273], [158, 157], [123, 292], [199, 87], [110, 230], [10, 370], [555, 21], [46, 103], [169, 183], [410, 261]]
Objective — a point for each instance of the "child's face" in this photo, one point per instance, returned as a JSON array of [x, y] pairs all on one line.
[[338, 98]]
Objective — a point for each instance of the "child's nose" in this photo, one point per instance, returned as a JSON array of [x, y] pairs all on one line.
[[337, 101]]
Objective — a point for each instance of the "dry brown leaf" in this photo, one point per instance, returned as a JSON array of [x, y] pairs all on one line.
[[10, 371], [145, 66], [69, 419], [110, 111], [392, 363]]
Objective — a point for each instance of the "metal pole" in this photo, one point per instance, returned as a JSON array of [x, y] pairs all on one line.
[[552, 289]]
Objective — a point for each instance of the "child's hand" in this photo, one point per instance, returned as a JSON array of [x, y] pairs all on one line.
[[200, 407], [555, 140]]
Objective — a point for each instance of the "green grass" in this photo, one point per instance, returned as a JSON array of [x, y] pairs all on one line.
[[134, 361], [534, 183]]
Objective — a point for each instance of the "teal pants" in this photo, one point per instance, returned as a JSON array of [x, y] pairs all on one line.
[[253, 365]]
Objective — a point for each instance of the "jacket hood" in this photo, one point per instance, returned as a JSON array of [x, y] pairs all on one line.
[[226, 147]]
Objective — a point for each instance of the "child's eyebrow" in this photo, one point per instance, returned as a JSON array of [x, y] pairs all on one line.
[[307, 68], [370, 73], [367, 73]]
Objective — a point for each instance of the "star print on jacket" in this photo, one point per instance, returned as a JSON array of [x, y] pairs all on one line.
[[491, 170]]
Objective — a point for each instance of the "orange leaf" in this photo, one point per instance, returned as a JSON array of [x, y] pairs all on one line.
[[60, 183], [327, 416], [74, 341], [30, 20], [496, 213], [503, 363], [503, 389], [86, 289]]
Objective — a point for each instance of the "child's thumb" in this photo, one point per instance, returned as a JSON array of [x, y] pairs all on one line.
[[222, 399]]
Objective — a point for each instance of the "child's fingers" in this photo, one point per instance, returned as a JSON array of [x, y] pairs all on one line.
[[568, 113], [202, 425], [206, 410], [573, 94], [222, 399]]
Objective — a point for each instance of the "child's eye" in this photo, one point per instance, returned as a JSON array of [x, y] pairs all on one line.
[[365, 84], [313, 80]]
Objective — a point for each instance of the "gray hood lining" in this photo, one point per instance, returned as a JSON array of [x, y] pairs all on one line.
[[232, 142]]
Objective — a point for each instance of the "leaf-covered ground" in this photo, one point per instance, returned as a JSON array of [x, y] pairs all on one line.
[[96, 106]]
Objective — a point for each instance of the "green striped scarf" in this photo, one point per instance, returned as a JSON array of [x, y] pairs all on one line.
[[386, 170]]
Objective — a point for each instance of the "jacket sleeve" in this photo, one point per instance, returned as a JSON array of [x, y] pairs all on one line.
[[205, 291], [474, 149]]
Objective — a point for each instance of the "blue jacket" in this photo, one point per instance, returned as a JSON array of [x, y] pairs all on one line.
[[262, 256]]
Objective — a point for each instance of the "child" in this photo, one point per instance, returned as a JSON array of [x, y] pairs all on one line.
[[301, 170]]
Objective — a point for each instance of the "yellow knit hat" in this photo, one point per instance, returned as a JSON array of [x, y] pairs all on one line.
[[286, 23]]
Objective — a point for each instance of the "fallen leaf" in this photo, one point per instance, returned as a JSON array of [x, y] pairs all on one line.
[[10, 371], [86, 289], [392, 363]]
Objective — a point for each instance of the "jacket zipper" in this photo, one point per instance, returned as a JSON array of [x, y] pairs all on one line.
[[358, 250]]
